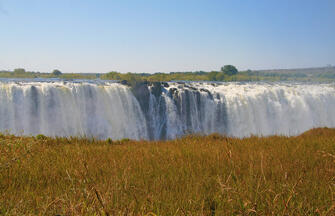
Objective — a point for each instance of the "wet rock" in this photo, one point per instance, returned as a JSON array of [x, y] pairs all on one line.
[[173, 91], [142, 93], [208, 92], [204, 90], [125, 82], [165, 84], [192, 88], [156, 89]]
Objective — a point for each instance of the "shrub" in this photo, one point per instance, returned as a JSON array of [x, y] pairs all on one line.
[[124, 140], [109, 141], [41, 137]]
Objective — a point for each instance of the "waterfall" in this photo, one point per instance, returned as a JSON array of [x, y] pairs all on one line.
[[163, 111], [71, 109]]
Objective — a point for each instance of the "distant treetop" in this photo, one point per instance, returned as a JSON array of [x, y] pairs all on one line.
[[19, 70], [56, 72], [229, 70]]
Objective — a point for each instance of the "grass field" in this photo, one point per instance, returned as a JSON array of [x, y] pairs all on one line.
[[195, 175]]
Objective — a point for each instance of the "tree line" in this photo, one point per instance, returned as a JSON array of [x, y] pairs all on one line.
[[226, 73]]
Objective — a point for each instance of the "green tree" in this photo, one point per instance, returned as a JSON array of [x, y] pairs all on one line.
[[19, 71], [229, 70], [56, 72], [212, 75], [112, 75], [220, 76]]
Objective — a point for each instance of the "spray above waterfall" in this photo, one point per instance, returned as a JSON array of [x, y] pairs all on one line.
[[163, 111]]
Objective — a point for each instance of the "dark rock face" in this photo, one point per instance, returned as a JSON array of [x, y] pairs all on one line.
[[34, 108], [35, 101], [173, 91], [156, 89], [124, 82], [190, 105], [208, 92], [153, 106], [142, 93], [165, 85]]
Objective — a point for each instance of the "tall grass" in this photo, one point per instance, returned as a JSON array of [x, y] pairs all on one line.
[[195, 175]]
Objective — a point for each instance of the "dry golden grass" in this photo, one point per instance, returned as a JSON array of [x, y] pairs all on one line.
[[194, 175]]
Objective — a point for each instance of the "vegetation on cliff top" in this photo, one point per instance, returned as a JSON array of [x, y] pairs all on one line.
[[195, 175], [226, 73]]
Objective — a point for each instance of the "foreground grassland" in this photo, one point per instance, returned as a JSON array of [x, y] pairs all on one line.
[[194, 175]]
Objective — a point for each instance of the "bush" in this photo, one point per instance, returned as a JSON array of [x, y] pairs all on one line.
[[41, 137], [109, 141], [124, 140]]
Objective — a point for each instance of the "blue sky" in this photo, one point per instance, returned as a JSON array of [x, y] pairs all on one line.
[[166, 35]]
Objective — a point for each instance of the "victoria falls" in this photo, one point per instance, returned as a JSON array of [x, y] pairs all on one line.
[[167, 108], [163, 110]]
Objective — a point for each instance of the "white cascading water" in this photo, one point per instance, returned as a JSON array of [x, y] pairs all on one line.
[[244, 109], [70, 109], [106, 109]]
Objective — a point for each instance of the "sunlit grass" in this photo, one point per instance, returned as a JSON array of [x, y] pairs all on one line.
[[195, 175]]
